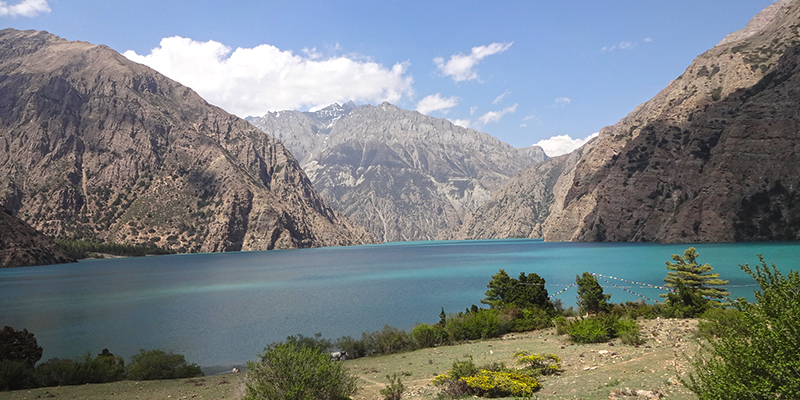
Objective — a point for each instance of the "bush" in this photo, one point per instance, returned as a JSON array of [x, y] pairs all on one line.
[[503, 383], [394, 390], [758, 358], [629, 332], [355, 348], [391, 340], [15, 375], [548, 364], [19, 346], [424, 336], [591, 330], [104, 368], [482, 324], [720, 322], [316, 342], [157, 364], [529, 319], [496, 380], [287, 371]]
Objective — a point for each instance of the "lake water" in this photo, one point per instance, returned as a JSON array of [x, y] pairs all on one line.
[[222, 309]]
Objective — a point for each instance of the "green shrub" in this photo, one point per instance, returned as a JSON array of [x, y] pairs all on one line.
[[758, 358], [562, 325], [482, 324], [424, 336], [589, 330], [288, 372], [452, 383], [104, 368], [394, 390], [391, 340], [629, 332], [316, 342], [530, 319], [157, 364], [722, 322], [15, 375], [355, 348]]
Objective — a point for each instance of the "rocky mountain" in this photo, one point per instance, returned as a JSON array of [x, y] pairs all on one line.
[[21, 245], [400, 174], [712, 157], [95, 146]]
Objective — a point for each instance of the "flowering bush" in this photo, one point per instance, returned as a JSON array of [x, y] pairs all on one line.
[[547, 364], [503, 383], [496, 380]]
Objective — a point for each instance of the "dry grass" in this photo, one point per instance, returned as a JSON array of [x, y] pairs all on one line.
[[597, 371]]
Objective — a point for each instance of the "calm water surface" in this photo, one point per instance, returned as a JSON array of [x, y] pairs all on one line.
[[223, 309]]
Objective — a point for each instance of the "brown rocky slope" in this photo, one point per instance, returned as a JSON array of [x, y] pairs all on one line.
[[21, 245], [713, 157], [95, 146]]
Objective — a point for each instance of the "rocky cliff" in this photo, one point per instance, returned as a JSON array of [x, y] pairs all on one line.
[[712, 157], [401, 174], [21, 245], [93, 145]]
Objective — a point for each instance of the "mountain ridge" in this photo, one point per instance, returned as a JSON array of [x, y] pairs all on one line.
[[95, 146], [401, 174], [705, 160]]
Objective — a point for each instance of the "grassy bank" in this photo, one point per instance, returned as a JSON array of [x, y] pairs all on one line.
[[589, 371]]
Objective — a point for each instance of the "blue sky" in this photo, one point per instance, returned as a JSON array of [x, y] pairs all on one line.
[[522, 71]]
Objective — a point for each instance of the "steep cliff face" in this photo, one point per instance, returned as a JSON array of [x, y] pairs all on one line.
[[93, 145], [22, 246], [401, 174], [712, 157], [520, 209]]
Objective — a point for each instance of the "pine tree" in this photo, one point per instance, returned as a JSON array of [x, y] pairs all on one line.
[[590, 295], [694, 277]]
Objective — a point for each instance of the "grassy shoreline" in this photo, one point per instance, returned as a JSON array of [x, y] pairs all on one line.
[[590, 371]]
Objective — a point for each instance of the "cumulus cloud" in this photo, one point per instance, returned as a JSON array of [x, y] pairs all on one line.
[[436, 102], [562, 144], [494, 116], [459, 66], [253, 81], [25, 8]]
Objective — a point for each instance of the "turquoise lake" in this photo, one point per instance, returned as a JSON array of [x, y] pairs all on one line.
[[222, 309]]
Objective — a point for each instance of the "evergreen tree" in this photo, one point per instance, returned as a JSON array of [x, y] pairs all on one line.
[[590, 295], [526, 292], [695, 278]]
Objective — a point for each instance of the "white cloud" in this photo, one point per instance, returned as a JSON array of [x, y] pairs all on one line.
[[501, 97], [264, 78], [464, 123], [473, 110], [624, 45], [436, 102], [560, 102], [562, 144], [25, 8], [494, 116], [459, 66]]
